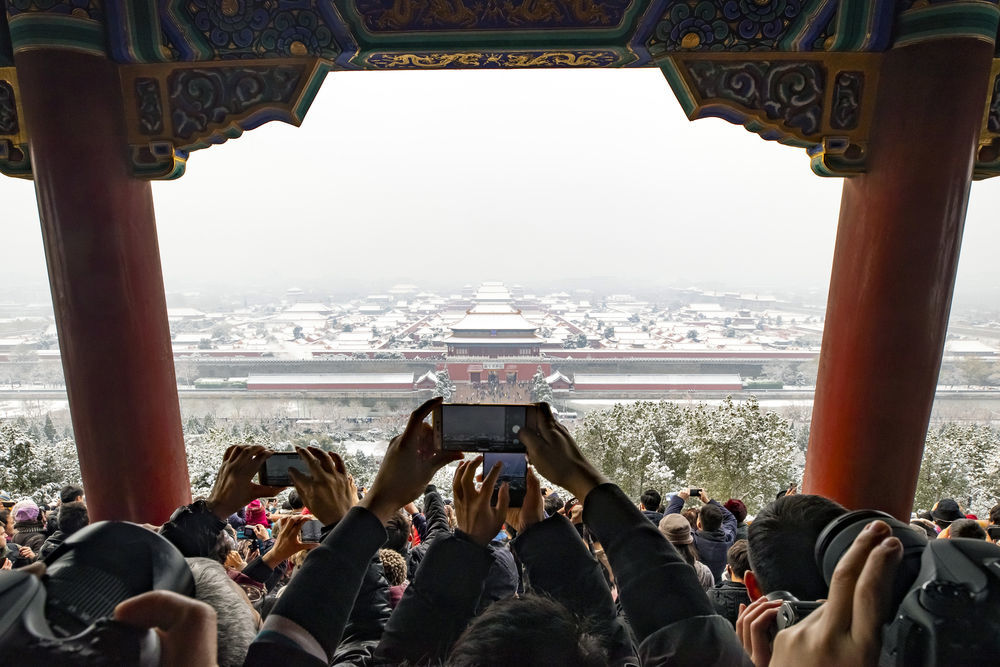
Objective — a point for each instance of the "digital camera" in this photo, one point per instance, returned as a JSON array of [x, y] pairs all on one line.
[[65, 617], [945, 597]]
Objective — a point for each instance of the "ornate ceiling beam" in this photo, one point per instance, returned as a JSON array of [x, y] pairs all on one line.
[[197, 72]]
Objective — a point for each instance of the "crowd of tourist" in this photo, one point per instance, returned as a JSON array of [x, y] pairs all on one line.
[[332, 574]]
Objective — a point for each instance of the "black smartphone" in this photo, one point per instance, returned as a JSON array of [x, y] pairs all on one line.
[[993, 532], [312, 531], [514, 472], [461, 427], [274, 470], [694, 492]]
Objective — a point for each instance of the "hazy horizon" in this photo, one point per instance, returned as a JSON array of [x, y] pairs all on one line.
[[548, 178]]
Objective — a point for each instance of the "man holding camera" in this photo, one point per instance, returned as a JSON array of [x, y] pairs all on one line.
[[716, 529]]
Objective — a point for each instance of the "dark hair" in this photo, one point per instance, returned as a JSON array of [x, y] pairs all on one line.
[[688, 552], [691, 514], [398, 530], [294, 501], [782, 542], [926, 515], [70, 493], [553, 503], [650, 499], [72, 517], [995, 514], [738, 558], [967, 528], [529, 631], [711, 517]]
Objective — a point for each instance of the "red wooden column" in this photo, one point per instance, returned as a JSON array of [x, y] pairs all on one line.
[[893, 274], [107, 289]]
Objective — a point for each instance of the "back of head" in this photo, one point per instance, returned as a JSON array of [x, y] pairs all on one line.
[[650, 500], [529, 631], [691, 514], [738, 558], [70, 493], [393, 565], [995, 514], [294, 500], [782, 541], [967, 528], [553, 503], [711, 518], [398, 529], [72, 517], [237, 621]]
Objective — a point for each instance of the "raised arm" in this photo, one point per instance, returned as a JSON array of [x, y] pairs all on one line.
[[308, 620], [669, 613], [442, 599]]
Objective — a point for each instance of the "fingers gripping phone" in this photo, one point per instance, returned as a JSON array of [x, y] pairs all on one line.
[[514, 472], [274, 470], [460, 427]]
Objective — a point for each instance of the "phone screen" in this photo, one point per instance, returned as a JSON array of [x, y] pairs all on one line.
[[312, 530], [274, 471], [482, 428], [514, 472]]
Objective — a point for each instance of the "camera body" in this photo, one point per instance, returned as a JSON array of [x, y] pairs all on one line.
[[946, 595], [462, 427], [65, 617]]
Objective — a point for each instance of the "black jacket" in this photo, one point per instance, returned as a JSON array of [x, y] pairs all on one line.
[[653, 516], [51, 544], [436, 527], [726, 597]]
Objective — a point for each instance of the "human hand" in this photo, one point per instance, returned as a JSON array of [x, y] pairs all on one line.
[[554, 453], [234, 561], [411, 508], [577, 514], [477, 517], [532, 508], [6, 564], [328, 491], [259, 531], [187, 627], [704, 497], [289, 541], [846, 630], [755, 627], [684, 494], [408, 465], [26, 552], [233, 487]]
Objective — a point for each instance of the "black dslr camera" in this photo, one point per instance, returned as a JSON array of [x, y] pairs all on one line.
[[64, 618], [946, 595]]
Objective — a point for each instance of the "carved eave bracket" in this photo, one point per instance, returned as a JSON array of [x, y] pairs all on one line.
[[175, 108], [987, 164], [14, 157], [822, 102]]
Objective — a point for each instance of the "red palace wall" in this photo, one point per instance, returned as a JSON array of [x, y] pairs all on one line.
[[588, 353], [659, 387], [459, 371], [393, 386]]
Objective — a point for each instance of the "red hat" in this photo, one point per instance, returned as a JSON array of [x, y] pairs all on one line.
[[736, 508]]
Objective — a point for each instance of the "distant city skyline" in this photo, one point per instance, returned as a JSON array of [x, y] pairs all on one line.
[[554, 179]]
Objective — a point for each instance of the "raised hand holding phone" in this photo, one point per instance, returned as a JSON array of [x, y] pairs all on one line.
[[478, 517]]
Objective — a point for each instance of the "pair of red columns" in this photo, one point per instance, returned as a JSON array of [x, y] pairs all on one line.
[[890, 295]]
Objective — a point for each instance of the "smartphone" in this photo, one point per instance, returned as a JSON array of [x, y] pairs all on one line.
[[694, 492], [993, 532], [514, 472], [312, 531], [274, 470], [460, 427]]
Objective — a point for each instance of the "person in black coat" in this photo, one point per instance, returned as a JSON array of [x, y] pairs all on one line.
[[730, 593]]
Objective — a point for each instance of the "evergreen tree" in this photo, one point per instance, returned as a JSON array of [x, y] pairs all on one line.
[[541, 392], [49, 429], [443, 386]]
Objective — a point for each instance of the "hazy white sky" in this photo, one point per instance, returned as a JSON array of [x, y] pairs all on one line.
[[539, 177]]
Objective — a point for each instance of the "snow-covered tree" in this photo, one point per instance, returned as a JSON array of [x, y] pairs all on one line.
[[444, 387], [738, 450], [541, 392], [961, 461]]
